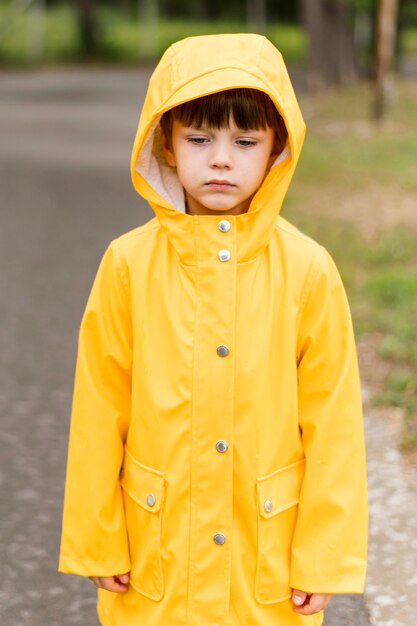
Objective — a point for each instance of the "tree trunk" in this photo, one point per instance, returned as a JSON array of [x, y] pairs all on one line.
[[386, 29], [87, 27], [256, 15], [35, 42], [199, 10], [344, 23], [330, 27], [148, 11]]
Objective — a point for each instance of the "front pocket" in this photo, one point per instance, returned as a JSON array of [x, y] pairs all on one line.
[[277, 496], [144, 493]]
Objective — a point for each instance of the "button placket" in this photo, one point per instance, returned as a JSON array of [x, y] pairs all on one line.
[[218, 245]]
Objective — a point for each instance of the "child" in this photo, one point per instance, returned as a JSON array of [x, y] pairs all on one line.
[[216, 470]]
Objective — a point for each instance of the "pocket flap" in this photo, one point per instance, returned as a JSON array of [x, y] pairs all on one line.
[[145, 485], [280, 490]]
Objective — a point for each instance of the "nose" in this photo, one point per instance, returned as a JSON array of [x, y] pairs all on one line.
[[220, 155]]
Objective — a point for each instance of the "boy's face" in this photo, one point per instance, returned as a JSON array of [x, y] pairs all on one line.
[[220, 169]]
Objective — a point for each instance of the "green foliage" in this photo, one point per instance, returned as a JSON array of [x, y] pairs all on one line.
[[118, 35], [61, 34], [117, 31], [409, 41], [62, 37], [210, 10]]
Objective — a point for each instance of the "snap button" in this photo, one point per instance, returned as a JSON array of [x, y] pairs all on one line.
[[268, 506], [224, 226], [224, 255], [150, 499], [219, 539], [222, 350], [221, 445]]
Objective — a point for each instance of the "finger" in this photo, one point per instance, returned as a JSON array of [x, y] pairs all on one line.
[[299, 597], [123, 578], [316, 602], [113, 584], [110, 583]]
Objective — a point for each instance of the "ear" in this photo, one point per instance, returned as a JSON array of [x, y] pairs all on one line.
[[168, 151], [271, 160]]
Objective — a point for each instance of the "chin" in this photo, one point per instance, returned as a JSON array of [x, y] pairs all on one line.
[[220, 207]]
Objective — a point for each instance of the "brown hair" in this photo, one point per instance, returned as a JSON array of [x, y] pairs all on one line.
[[250, 109]]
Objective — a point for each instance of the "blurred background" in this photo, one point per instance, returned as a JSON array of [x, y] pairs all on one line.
[[73, 76]]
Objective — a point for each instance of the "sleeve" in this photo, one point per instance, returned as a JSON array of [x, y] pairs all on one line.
[[330, 539], [94, 538]]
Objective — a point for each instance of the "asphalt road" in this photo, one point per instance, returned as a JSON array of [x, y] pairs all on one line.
[[65, 192]]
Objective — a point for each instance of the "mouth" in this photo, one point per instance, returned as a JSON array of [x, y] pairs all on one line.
[[219, 185]]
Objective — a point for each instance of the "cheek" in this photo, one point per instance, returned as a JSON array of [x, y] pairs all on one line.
[[265, 164], [254, 169], [256, 174], [186, 172]]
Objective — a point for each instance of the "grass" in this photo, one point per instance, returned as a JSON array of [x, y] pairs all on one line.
[[409, 41], [345, 160], [364, 152], [119, 36]]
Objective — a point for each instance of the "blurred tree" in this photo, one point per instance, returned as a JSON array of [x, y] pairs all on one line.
[[35, 40], [87, 27], [330, 25], [256, 15], [198, 10], [407, 17], [278, 10], [148, 11], [386, 30]]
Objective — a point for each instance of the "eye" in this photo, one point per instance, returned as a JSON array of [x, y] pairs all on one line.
[[197, 140], [246, 143]]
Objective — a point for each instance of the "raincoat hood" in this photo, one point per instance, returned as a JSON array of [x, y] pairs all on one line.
[[196, 67]]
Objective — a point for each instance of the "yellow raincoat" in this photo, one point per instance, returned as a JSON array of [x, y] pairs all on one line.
[[216, 448]]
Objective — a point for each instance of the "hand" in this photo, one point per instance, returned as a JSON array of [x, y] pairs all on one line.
[[310, 603], [117, 584]]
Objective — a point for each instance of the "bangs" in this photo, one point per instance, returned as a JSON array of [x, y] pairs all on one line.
[[250, 109]]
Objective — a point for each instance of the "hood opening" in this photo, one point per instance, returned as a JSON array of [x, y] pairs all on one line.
[[154, 169], [152, 166], [199, 66]]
